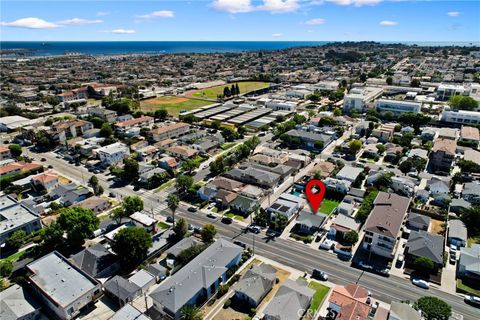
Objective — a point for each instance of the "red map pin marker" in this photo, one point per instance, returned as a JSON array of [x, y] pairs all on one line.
[[315, 199]]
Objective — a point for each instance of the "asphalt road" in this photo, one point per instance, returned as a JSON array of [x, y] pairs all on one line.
[[290, 253]]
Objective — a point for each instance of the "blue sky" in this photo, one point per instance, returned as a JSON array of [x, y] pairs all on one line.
[[241, 20]]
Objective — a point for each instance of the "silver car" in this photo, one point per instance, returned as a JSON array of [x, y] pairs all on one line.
[[421, 283]]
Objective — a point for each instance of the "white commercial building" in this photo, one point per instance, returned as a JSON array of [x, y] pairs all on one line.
[[277, 105], [445, 91], [360, 98], [113, 153], [460, 116], [396, 106]]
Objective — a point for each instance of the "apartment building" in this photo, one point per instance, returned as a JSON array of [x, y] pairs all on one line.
[[144, 121], [396, 106], [460, 116], [443, 154], [384, 132], [445, 91], [359, 99], [113, 153], [15, 216], [383, 224], [103, 113], [170, 131]]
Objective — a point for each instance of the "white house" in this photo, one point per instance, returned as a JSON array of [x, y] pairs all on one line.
[[113, 153]]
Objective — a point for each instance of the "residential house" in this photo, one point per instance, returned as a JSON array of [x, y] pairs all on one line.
[[384, 132], [311, 140], [349, 302], [171, 131], [46, 180], [106, 114], [96, 261], [457, 233], [158, 271], [144, 221], [177, 248], [287, 205], [16, 216], [255, 284], [308, 222], [447, 133], [198, 279], [341, 186], [470, 135], [224, 198], [458, 205], [64, 130], [471, 192], [181, 152], [95, 203], [343, 224], [438, 187], [349, 173], [145, 176], [254, 176], [469, 263], [143, 121], [418, 222], [5, 153], [69, 194], [143, 279], [168, 163], [324, 169], [472, 155], [420, 153], [244, 205], [291, 297], [16, 168], [423, 244], [443, 154], [121, 290], [17, 303], [403, 185], [403, 311], [62, 287], [113, 153], [129, 312], [382, 227]]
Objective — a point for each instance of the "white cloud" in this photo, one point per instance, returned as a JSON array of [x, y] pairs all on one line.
[[158, 14], [388, 23], [279, 6], [315, 22], [123, 31], [357, 3], [78, 22], [453, 13], [277, 35], [233, 6], [30, 23], [102, 13]]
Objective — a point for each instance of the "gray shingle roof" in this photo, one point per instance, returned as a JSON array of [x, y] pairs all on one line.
[[470, 259], [457, 229], [198, 274], [257, 281], [94, 260], [311, 220], [121, 288], [425, 244], [290, 297], [15, 303]]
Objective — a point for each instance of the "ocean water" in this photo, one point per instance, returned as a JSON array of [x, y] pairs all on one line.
[[37, 48]]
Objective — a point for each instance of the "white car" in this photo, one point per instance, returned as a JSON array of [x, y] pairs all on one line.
[[420, 283], [473, 300]]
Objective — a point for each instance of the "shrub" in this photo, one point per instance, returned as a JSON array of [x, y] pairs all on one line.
[[227, 303], [222, 290]]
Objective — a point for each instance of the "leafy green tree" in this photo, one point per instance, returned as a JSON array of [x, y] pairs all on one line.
[[217, 166], [252, 143], [424, 264], [337, 112], [367, 206], [208, 233], [117, 214], [130, 169], [389, 81], [280, 222], [468, 166], [471, 219], [180, 228], [161, 114], [6, 268], [237, 89], [189, 165], [229, 134], [355, 146], [52, 237], [241, 130], [185, 256], [16, 240], [190, 312], [172, 203], [226, 92], [132, 204], [433, 308], [15, 150], [351, 237], [463, 103], [363, 77], [78, 224], [131, 245], [215, 124], [106, 130], [261, 217], [183, 183], [415, 83]]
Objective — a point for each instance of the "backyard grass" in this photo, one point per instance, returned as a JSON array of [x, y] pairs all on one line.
[[165, 185], [173, 105], [328, 206], [234, 216], [213, 92], [162, 225], [321, 292]]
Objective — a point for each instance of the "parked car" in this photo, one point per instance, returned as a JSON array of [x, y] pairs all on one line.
[[453, 257], [453, 249], [211, 206], [365, 266], [400, 260], [241, 244], [227, 220], [192, 209], [43, 159], [170, 219], [272, 233], [473, 300], [320, 275], [211, 216], [254, 229], [383, 271], [112, 194], [420, 283]]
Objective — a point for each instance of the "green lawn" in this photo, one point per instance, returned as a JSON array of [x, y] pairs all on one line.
[[213, 92], [162, 225], [328, 206], [234, 216], [14, 257], [461, 286], [227, 145], [321, 292], [165, 185], [173, 105]]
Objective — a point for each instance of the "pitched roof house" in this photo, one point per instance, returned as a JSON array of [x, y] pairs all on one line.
[[255, 284]]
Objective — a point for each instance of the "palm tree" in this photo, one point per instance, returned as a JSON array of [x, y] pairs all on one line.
[[172, 203], [190, 312]]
